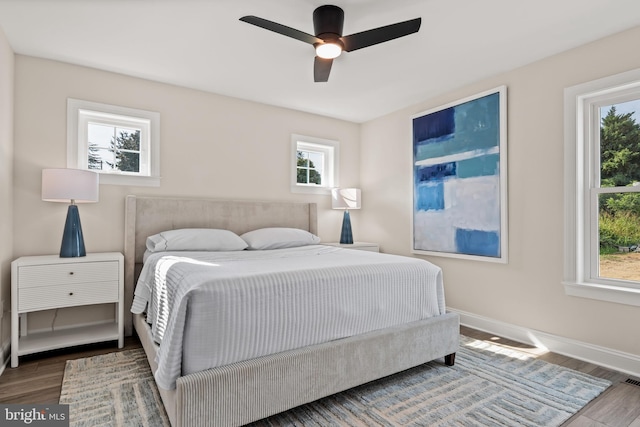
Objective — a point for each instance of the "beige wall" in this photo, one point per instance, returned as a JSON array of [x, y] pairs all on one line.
[[211, 146], [6, 186], [215, 146], [526, 292]]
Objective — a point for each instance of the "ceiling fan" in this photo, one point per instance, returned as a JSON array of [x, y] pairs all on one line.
[[328, 40]]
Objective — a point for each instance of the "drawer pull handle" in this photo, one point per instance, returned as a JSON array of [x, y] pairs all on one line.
[[71, 273], [70, 293]]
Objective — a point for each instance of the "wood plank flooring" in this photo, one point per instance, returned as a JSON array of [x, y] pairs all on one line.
[[38, 379]]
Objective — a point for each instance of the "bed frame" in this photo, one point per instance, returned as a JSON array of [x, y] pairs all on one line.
[[247, 391]]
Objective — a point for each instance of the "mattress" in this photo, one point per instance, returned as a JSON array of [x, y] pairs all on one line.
[[210, 309]]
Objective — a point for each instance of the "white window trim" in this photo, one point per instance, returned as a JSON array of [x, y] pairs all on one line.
[[76, 154], [330, 175], [578, 101]]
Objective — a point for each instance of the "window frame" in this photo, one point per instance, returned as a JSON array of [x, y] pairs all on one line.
[[330, 149], [80, 112], [582, 187]]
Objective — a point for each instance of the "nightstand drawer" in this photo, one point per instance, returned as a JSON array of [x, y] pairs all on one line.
[[47, 275], [69, 295]]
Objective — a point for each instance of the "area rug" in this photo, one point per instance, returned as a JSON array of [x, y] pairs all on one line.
[[115, 389], [489, 385]]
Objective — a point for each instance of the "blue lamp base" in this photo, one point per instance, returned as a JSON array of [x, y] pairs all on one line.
[[72, 240], [346, 237]]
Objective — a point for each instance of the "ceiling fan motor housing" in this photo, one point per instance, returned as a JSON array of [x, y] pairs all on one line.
[[328, 21]]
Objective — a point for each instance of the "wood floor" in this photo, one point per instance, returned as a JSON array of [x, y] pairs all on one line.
[[39, 377]]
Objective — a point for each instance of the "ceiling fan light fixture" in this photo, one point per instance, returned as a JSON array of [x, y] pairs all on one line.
[[329, 50]]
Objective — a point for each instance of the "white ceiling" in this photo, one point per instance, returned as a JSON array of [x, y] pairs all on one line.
[[201, 44]]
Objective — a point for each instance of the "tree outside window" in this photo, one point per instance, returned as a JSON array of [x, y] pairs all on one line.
[[113, 148], [309, 167], [619, 204]]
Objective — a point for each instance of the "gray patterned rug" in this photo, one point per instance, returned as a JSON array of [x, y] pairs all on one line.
[[489, 386], [115, 389]]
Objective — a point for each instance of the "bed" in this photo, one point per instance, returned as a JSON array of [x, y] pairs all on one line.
[[243, 391]]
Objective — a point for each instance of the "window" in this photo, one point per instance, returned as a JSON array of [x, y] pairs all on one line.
[[314, 164], [602, 191], [310, 166], [122, 144]]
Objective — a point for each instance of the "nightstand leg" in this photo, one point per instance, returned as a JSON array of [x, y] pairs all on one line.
[[14, 339], [120, 318]]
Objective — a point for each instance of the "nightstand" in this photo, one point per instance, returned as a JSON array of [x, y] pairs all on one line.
[[50, 282], [360, 246]]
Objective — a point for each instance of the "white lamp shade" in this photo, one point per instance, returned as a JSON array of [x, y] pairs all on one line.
[[345, 198], [65, 185]]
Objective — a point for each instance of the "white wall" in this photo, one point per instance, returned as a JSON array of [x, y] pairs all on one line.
[[211, 146], [527, 291], [6, 187]]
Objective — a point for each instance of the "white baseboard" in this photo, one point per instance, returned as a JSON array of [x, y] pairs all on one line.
[[602, 356]]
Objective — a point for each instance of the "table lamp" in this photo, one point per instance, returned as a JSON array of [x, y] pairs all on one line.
[[345, 198], [70, 186]]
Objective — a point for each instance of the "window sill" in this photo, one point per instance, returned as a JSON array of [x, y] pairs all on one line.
[[610, 293], [303, 189], [139, 181]]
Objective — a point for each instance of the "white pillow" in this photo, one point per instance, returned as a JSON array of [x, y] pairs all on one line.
[[279, 238], [195, 239]]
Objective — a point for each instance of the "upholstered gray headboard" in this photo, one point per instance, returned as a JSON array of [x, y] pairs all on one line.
[[145, 216]]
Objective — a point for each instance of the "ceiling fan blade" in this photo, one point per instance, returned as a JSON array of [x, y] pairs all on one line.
[[380, 35], [321, 69], [281, 29]]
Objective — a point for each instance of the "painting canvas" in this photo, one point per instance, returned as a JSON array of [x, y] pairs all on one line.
[[459, 171]]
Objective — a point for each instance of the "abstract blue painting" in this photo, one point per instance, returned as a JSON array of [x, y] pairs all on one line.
[[459, 179]]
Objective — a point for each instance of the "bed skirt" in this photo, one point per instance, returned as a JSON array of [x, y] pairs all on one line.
[[243, 392]]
